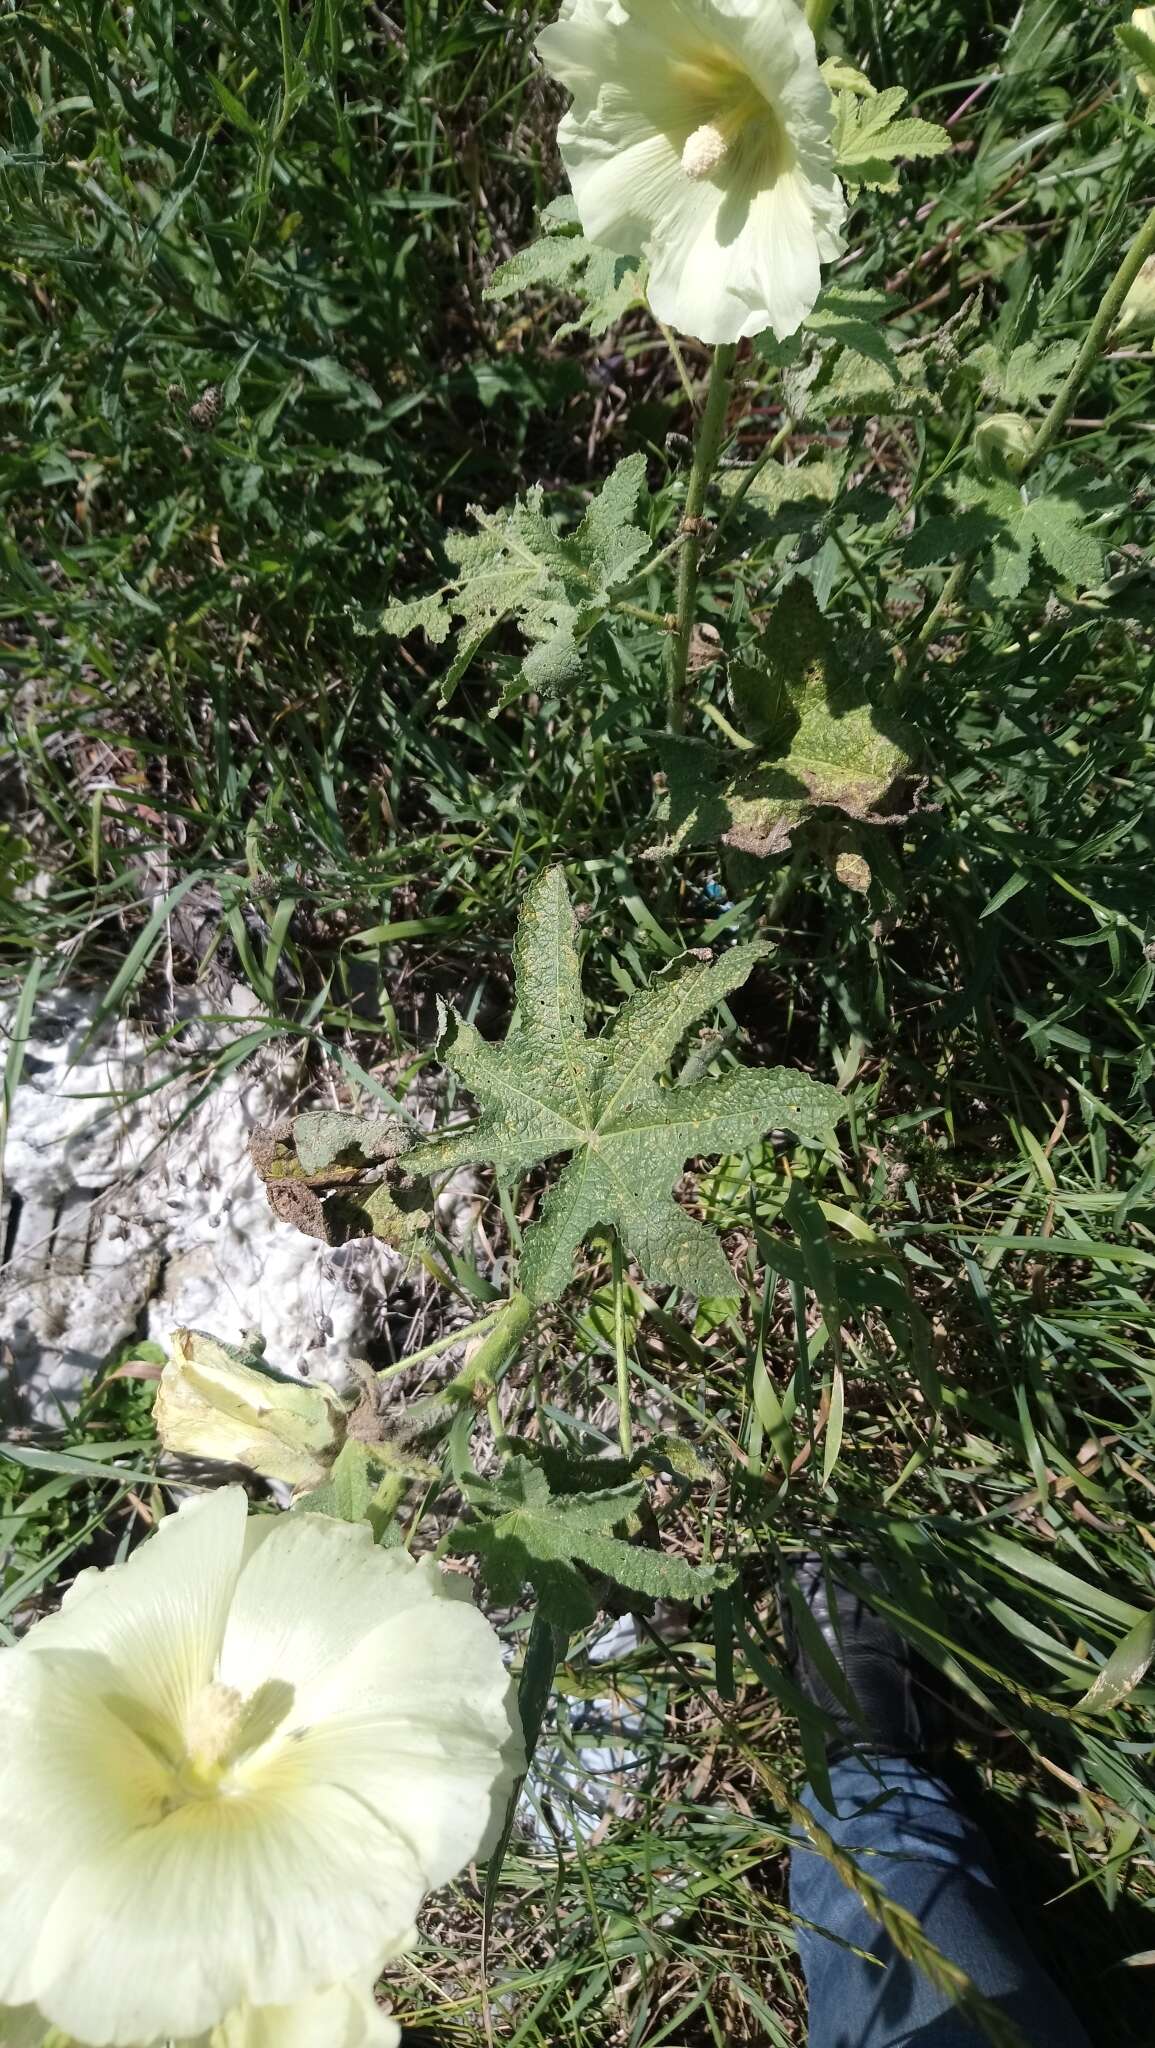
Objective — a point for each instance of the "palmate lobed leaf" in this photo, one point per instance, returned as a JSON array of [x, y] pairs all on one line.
[[859, 386], [857, 318], [870, 136], [518, 566], [869, 373], [1016, 527], [549, 1090], [528, 1534], [1026, 375]]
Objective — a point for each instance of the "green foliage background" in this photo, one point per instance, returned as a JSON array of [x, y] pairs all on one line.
[[250, 380]]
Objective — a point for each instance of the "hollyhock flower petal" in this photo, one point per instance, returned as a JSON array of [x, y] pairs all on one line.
[[700, 136], [344, 2016], [234, 1766]]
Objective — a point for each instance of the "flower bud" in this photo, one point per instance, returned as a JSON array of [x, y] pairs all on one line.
[[1003, 442], [1139, 304], [217, 1402], [1143, 19]]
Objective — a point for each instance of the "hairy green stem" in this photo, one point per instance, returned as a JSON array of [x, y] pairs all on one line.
[[636, 611], [445, 1342], [943, 602], [625, 1422], [650, 568], [385, 1503], [475, 1386], [497, 1352], [497, 1424], [707, 449], [1098, 333], [748, 480]]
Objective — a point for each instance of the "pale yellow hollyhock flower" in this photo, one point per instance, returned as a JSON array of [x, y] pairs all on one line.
[[1143, 18], [347, 2016], [699, 136], [232, 1767], [213, 1403]]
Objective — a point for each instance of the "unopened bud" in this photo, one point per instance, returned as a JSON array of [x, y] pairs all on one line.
[[217, 1402], [1003, 442], [1143, 19], [1139, 305]]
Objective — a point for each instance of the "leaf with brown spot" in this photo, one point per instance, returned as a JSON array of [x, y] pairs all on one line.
[[293, 1201], [819, 743], [338, 1178]]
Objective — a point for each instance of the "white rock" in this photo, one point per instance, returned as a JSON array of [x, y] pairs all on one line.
[[123, 1220]]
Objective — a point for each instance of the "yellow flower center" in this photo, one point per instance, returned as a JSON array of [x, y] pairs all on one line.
[[214, 1722], [738, 128], [221, 1729]]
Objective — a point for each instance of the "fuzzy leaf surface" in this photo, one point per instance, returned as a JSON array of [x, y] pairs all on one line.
[[856, 318], [859, 386], [784, 500], [529, 1535], [347, 1492], [549, 1090], [843, 77], [1028, 375], [1000, 516], [866, 375], [869, 137], [517, 566], [819, 743], [563, 261]]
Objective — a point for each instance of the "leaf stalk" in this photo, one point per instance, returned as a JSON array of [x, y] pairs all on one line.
[[1097, 336], [625, 1421], [446, 1342], [496, 1353]]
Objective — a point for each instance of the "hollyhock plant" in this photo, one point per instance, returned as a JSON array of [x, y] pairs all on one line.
[[700, 136], [233, 1767]]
